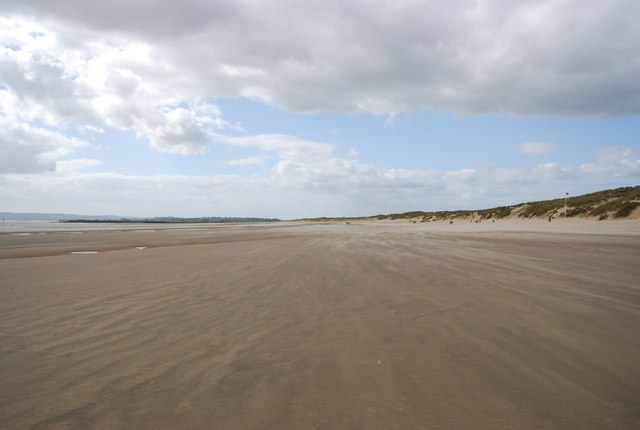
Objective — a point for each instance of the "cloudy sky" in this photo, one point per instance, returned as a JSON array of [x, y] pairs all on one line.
[[287, 108]]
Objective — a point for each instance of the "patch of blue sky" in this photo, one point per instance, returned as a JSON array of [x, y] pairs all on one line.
[[442, 141], [11, 47], [422, 140]]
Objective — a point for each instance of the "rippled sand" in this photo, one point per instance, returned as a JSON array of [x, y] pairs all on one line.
[[294, 326]]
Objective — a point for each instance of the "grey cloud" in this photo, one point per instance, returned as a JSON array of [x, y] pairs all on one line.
[[18, 158], [41, 88], [530, 57], [146, 17], [24, 149]]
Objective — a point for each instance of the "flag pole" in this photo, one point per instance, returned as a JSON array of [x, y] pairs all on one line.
[[565, 204]]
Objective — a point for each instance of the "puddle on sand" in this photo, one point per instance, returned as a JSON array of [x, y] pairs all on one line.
[[83, 252]]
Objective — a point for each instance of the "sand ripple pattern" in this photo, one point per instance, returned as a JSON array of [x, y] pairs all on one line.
[[330, 326]]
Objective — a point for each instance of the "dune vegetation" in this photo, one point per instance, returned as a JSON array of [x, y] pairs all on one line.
[[602, 205]]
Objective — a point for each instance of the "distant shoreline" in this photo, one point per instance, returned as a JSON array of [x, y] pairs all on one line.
[[152, 221]]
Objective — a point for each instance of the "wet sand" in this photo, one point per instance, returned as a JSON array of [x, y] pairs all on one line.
[[329, 326]]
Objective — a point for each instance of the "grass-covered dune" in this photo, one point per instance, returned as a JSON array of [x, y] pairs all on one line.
[[608, 204]]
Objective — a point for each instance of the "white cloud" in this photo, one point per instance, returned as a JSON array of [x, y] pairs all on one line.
[[353, 153], [75, 165], [179, 131], [104, 82], [536, 148], [249, 161], [614, 161], [86, 129], [390, 121], [285, 146], [554, 172], [298, 185]]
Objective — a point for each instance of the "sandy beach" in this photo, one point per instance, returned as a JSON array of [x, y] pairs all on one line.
[[506, 325]]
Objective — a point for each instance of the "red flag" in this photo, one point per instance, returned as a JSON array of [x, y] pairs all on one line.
[[566, 194]]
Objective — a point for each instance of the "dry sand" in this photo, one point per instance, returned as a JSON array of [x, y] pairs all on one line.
[[297, 326]]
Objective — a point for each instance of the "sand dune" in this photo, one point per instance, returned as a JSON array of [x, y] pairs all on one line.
[[295, 326]]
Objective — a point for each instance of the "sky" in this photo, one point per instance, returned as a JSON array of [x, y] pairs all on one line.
[[291, 109]]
